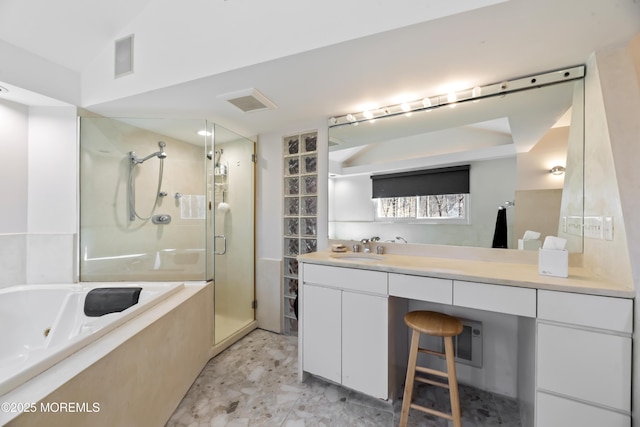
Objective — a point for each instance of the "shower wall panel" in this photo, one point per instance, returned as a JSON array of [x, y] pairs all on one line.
[[113, 247]]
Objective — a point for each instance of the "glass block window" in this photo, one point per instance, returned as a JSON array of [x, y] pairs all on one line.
[[300, 203]]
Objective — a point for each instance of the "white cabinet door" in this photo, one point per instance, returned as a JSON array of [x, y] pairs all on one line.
[[321, 337], [554, 411], [365, 345], [589, 366]]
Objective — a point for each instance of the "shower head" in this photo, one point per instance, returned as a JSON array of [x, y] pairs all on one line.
[[161, 154], [218, 154]]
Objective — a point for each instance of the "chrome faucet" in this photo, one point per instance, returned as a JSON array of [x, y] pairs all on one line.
[[365, 246], [402, 239]]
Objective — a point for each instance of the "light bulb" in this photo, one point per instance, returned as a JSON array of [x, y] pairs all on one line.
[[426, 103], [405, 107], [367, 114], [351, 118]]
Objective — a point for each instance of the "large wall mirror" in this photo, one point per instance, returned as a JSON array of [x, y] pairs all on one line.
[[510, 140]]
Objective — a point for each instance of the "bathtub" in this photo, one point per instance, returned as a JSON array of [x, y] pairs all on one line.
[[131, 369], [41, 325]]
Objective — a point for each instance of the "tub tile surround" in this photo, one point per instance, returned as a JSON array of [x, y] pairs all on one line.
[[48, 259], [254, 383], [37, 259], [13, 263]]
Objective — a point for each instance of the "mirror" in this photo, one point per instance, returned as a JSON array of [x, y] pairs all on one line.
[[510, 141]]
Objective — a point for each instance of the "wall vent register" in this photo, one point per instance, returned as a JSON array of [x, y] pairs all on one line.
[[467, 346]]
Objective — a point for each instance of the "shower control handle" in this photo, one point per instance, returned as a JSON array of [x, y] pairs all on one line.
[[161, 219], [224, 244]]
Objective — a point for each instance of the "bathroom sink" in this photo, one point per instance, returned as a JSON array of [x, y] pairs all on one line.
[[357, 257]]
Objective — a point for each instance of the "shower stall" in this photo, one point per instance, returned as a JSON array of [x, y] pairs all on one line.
[[170, 200]]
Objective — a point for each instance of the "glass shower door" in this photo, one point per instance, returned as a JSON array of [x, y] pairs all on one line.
[[232, 181]]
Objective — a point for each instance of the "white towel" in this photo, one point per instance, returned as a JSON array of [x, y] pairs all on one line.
[[192, 206]]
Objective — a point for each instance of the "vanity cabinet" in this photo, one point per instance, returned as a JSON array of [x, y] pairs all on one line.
[[576, 348], [583, 360], [345, 332]]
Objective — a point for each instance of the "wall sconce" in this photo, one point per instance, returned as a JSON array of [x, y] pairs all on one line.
[[557, 170]]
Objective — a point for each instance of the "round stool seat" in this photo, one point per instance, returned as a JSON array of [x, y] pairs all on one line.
[[432, 323]]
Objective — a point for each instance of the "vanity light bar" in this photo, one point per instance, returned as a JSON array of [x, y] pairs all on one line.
[[471, 94]]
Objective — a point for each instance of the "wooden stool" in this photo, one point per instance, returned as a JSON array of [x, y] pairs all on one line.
[[440, 325]]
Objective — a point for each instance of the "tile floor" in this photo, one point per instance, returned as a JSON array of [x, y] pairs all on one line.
[[254, 383]]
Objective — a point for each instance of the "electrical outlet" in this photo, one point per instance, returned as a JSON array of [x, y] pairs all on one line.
[[607, 228], [593, 227]]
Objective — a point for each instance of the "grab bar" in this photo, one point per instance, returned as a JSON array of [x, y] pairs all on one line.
[[224, 245]]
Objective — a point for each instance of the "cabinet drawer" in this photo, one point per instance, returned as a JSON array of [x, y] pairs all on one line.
[[554, 411], [498, 298], [421, 288], [615, 314], [346, 278], [587, 365]]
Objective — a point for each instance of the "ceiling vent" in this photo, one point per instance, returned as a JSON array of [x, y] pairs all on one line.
[[249, 100], [123, 56]]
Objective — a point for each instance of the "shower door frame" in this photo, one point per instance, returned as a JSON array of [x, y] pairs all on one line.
[[214, 269]]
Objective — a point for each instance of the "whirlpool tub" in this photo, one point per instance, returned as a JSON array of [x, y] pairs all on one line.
[[51, 351]]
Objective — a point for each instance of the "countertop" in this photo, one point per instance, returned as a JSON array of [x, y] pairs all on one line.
[[580, 280]]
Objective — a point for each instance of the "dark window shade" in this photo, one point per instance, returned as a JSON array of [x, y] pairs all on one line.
[[451, 180]]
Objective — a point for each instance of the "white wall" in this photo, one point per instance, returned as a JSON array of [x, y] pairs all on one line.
[[38, 181], [53, 170], [13, 192], [13, 171], [612, 176]]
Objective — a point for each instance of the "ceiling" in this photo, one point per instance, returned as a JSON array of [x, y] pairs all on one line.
[[487, 45]]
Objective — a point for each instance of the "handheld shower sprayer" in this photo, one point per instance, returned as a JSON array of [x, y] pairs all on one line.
[[134, 160]]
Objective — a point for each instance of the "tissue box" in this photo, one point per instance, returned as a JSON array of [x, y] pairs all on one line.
[[553, 262], [529, 245]]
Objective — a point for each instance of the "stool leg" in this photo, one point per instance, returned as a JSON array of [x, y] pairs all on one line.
[[453, 382], [411, 374]]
